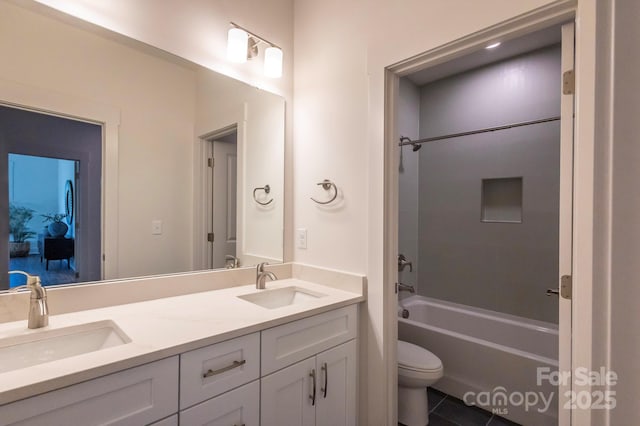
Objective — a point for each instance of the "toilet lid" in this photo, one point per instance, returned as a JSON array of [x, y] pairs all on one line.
[[414, 357]]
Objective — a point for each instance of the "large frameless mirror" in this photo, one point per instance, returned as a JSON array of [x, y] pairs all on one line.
[[153, 163]]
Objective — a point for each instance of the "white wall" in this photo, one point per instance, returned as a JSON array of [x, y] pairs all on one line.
[[263, 164], [625, 213], [341, 52]]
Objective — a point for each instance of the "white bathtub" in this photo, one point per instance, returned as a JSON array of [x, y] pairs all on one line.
[[489, 358]]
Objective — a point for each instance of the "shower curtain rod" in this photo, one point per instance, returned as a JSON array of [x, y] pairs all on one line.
[[406, 141]]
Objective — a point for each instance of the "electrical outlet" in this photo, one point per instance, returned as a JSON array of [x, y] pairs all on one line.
[[156, 227], [301, 238]]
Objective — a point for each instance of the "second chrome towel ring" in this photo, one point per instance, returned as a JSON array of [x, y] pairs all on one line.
[[266, 189], [327, 185]]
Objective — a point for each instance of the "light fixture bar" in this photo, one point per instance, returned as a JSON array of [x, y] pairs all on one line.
[[264, 40]]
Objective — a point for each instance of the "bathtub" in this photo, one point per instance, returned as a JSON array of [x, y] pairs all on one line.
[[490, 359]]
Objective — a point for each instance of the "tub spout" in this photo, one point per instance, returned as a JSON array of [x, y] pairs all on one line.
[[405, 287]]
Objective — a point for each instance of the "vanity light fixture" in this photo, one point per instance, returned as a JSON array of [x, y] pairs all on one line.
[[273, 62], [242, 45], [237, 41], [493, 45]]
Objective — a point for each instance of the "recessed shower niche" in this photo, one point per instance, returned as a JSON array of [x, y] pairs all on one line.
[[502, 200]]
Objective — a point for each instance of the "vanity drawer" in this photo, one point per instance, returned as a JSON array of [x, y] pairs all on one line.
[[136, 396], [215, 369], [295, 341], [240, 406]]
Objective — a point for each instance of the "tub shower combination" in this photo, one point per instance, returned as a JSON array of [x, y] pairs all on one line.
[[490, 359]]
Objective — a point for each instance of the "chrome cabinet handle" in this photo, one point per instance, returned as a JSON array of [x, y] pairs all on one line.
[[312, 397], [551, 291], [235, 364], [325, 369]]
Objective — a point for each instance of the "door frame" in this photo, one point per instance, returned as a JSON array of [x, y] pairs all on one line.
[[206, 129], [68, 106], [583, 175], [207, 185]]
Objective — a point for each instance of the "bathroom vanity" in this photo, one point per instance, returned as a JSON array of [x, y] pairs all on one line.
[[232, 356]]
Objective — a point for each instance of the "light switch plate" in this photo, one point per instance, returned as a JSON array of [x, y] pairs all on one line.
[[301, 238], [156, 227]]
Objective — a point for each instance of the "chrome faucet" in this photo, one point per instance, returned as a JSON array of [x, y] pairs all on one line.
[[38, 308], [403, 263], [405, 287], [261, 276], [231, 262]]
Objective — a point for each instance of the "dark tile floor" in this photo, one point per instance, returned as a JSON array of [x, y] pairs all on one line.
[[446, 410]]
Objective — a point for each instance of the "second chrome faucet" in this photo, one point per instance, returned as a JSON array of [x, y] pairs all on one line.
[[38, 308], [262, 275]]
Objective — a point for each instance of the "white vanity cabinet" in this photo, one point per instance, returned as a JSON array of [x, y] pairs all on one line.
[[137, 396], [321, 388], [265, 378], [319, 391]]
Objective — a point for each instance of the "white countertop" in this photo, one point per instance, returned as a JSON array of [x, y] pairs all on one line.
[[159, 329]]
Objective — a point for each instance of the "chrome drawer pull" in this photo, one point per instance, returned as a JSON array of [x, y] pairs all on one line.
[[235, 364], [312, 397], [325, 369]]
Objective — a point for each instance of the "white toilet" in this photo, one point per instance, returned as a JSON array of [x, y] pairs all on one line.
[[417, 369]]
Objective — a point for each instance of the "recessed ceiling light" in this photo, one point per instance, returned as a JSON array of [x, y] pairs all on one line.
[[493, 46]]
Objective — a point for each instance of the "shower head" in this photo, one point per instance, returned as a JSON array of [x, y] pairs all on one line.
[[407, 141]]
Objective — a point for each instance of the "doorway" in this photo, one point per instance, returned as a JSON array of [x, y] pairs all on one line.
[[222, 193], [466, 187], [33, 142]]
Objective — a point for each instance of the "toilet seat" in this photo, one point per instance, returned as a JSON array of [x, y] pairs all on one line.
[[415, 359]]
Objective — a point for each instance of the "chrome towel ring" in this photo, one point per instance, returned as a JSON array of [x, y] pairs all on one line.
[[266, 189], [327, 185]]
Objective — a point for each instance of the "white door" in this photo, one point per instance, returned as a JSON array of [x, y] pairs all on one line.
[[566, 224], [223, 202], [337, 386], [286, 397]]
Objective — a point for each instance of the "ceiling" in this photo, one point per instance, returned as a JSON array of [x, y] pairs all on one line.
[[507, 49]]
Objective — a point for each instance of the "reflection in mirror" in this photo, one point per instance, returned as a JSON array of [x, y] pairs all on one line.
[[181, 149]]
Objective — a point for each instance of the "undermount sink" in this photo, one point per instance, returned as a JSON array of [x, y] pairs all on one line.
[[44, 346], [279, 297]]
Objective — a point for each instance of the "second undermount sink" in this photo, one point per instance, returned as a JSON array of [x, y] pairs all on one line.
[[25, 350], [279, 297]]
